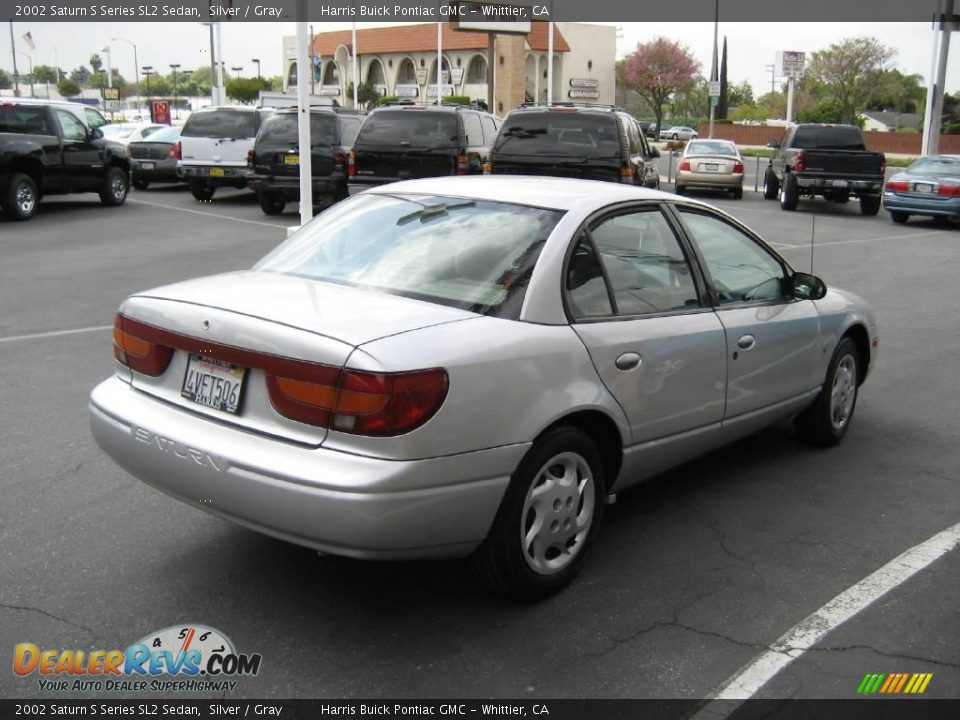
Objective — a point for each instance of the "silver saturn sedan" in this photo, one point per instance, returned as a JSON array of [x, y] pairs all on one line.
[[474, 367]]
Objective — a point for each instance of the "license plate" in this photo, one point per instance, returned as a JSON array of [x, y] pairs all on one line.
[[216, 172], [840, 183], [147, 166], [923, 187], [292, 159], [711, 167], [214, 383]]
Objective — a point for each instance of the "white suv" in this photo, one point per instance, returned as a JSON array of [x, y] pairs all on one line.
[[214, 145]]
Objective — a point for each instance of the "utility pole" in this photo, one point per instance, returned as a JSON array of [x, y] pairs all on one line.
[[16, 74], [714, 99], [773, 76], [936, 115]]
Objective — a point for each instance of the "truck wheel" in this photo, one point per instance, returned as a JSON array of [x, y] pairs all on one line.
[[22, 198], [115, 187], [790, 193], [770, 185], [201, 190], [271, 203], [869, 204]]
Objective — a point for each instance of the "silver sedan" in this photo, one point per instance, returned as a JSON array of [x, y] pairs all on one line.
[[474, 367], [711, 164]]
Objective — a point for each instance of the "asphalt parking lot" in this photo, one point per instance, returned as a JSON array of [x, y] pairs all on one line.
[[694, 575]]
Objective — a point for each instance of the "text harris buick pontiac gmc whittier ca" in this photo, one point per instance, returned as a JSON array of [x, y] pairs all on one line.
[[473, 366]]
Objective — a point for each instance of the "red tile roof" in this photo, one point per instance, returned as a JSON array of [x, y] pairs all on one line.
[[421, 38]]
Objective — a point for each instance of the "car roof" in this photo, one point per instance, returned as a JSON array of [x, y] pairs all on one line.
[[545, 192]]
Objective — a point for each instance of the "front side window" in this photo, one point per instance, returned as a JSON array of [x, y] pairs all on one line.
[[474, 255], [94, 119], [70, 127], [741, 269]]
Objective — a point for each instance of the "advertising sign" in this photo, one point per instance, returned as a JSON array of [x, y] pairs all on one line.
[[790, 63], [160, 112]]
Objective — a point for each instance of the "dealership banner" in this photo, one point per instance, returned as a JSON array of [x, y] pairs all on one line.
[[506, 13]]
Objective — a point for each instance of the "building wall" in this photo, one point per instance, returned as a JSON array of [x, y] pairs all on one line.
[[593, 51]]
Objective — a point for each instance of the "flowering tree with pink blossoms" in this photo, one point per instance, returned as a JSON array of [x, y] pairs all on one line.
[[658, 69]]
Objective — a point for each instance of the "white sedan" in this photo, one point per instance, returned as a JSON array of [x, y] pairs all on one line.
[[678, 132], [126, 133], [474, 366]]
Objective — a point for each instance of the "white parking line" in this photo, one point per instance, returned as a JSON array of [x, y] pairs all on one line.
[[818, 245], [207, 214], [803, 636], [55, 333]]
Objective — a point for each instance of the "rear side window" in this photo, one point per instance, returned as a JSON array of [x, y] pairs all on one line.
[[419, 128], [836, 138], [348, 130], [24, 120], [223, 123], [489, 129], [471, 127], [283, 128], [560, 133]]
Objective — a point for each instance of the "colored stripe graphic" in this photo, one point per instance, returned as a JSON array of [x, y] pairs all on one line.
[[894, 683]]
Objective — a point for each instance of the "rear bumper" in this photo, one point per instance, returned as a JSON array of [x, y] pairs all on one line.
[[865, 186], [331, 501], [720, 180], [921, 205], [290, 186], [213, 172], [160, 170]]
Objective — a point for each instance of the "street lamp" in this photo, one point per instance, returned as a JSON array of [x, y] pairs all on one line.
[[136, 66], [148, 71], [186, 79], [175, 67], [257, 61]]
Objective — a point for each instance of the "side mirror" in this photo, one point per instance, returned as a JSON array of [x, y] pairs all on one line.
[[654, 153], [773, 144], [808, 287], [96, 134]]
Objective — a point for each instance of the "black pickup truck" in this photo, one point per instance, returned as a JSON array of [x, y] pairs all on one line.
[[48, 150], [827, 160]]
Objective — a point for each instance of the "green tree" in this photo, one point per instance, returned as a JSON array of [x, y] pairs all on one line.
[[850, 72], [723, 105], [245, 90], [825, 111], [367, 95], [81, 75], [899, 93], [44, 74], [657, 70], [771, 105], [96, 63], [68, 88], [691, 104], [6, 82], [740, 94]]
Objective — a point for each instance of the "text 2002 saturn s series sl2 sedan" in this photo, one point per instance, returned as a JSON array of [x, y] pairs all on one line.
[[459, 366]]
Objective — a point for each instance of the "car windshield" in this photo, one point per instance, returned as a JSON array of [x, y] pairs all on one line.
[[560, 133], [935, 166], [711, 147], [470, 254], [221, 123], [164, 135], [282, 128], [419, 128]]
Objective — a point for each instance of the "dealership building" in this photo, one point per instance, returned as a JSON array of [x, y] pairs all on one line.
[[402, 61]]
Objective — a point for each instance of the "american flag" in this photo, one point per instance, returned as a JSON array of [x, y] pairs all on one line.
[[28, 39]]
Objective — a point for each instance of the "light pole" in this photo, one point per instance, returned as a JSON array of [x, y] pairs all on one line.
[[257, 61], [237, 70], [109, 66], [186, 78], [175, 67], [136, 66], [148, 71]]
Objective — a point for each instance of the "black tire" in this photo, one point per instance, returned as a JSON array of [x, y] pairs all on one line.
[[738, 193], [271, 203], [675, 137], [116, 185], [771, 187], [790, 195], [679, 190], [899, 217], [201, 190], [22, 198], [823, 423], [941, 221], [509, 564], [141, 184], [869, 204]]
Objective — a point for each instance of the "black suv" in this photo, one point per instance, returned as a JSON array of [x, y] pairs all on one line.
[[400, 142], [276, 155], [593, 142]]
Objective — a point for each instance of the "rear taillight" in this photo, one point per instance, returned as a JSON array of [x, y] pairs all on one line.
[[352, 164], [175, 151], [488, 168], [684, 165], [738, 168], [251, 155], [798, 162], [463, 164], [135, 347], [897, 186], [339, 162], [361, 403], [951, 190]]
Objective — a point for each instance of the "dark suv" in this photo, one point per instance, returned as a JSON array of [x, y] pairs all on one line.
[[276, 155], [400, 142], [593, 142]]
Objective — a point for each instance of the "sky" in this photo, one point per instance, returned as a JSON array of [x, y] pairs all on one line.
[[751, 46]]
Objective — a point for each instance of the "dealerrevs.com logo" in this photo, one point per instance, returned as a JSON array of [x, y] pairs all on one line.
[[182, 658]]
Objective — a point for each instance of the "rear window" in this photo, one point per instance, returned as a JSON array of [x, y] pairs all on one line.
[[935, 166], [283, 128], [420, 128], [474, 255], [165, 135], [224, 123], [24, 120], [834, 138], [559, 133], [711, 147]]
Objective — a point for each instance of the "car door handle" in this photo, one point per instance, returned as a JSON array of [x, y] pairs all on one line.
[[628, 361], [746, 342]]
